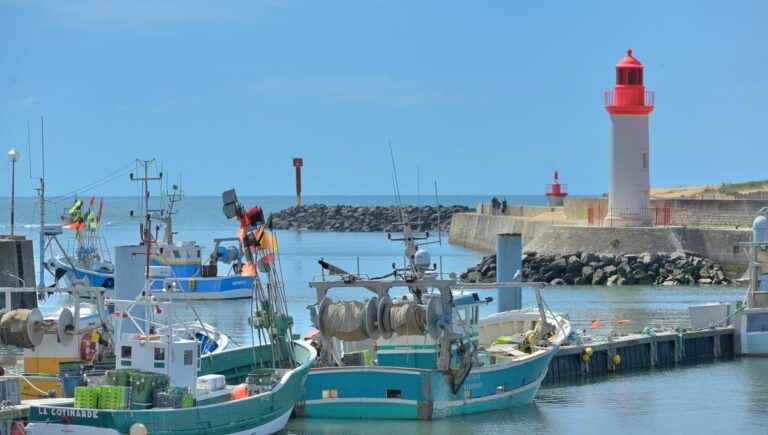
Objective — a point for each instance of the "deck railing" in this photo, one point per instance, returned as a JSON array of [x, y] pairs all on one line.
[[629, 97]]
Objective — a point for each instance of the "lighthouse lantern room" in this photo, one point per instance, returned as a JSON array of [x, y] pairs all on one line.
[[629, 106]]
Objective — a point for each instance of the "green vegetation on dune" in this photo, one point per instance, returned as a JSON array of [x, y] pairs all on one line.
[[734, 188]]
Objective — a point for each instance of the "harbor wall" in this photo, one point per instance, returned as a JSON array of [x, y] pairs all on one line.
[[683, 211], [712, 212], [518, 210], [477, 231], [713, 243]]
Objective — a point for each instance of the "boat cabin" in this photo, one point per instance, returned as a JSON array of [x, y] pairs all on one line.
[[178, 360]]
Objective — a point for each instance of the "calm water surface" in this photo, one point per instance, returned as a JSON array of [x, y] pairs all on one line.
[[721, 398]]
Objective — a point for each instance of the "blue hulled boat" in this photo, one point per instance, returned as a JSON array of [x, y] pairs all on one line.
[[173, 264]]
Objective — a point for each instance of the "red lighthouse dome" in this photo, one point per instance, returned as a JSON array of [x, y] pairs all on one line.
[[629, 96]]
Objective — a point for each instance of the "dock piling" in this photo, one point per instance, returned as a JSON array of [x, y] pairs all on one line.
[[509, 261]]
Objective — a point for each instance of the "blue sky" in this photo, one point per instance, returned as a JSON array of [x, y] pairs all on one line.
[[484, 96]]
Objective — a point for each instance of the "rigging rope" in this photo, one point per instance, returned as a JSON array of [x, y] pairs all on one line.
[[122, 171]]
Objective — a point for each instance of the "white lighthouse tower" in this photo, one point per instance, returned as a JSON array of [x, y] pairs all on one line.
[[629, 105]]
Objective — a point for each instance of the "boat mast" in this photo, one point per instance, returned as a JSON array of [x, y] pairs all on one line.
[[146, 233], [41, 202]]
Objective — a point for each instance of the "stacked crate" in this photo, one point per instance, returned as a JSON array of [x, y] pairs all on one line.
[[120, 377], [144, 386], [172, 398], [114, 397], [87, 397]]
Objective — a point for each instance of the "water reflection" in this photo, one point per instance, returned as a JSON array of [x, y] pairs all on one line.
[[525, 419]]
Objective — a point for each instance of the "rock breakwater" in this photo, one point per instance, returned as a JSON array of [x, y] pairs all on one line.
[[348, 218], [678, 268]]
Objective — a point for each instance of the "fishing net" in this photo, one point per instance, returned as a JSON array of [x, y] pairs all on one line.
[[408, 318], [344, 320]]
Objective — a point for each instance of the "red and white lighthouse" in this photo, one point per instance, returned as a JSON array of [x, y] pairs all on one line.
[[629, 106], [556, 192]]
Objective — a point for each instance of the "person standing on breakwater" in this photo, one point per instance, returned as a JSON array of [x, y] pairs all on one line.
[[494, 205]]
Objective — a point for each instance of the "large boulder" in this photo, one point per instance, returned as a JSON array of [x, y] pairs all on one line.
[[599, 277]]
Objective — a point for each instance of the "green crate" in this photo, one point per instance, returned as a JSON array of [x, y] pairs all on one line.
[[144, 385], [114, 397], [120, 377], [87, 397]]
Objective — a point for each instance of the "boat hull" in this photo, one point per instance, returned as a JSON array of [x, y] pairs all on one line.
[[270, 426], [260, 414], [187, 288], [406, 393], [213, 288], [78, 274]]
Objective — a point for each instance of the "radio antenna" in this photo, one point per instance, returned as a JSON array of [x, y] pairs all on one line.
[[439, 227], [394, 175]]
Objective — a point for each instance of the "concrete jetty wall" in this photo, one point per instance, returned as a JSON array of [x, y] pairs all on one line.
[[478, 231], [683, 211], [713, 243]]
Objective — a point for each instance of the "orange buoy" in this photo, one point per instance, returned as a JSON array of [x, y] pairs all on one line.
[[240, 392]]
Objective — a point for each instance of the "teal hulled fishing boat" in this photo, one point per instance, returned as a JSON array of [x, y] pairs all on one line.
[[261, 413], [425, 354], [161, 385]]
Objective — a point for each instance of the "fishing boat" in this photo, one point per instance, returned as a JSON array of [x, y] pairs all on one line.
[[179, 263], [751, 316], [162, 386], [76, 329], [87, 262], [422, 354]]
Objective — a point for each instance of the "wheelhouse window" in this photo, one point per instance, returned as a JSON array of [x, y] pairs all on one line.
[[125, 352], [757, 322], [159, 354], [394, 394]]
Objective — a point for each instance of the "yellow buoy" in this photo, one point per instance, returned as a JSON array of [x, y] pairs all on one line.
[[616, 360], [588, 351]]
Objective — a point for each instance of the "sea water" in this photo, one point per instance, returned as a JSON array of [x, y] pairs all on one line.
[[721, 398]]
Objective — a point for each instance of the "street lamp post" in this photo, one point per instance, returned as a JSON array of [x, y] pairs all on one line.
[[13, 156]]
